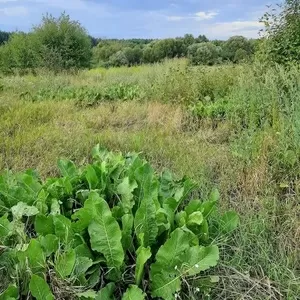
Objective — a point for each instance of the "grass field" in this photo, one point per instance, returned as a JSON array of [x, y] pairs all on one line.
[[244, 139]]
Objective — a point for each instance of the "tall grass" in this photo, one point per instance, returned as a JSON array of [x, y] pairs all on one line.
[[245, 140]]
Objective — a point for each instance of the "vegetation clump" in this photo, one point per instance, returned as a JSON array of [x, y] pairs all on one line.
[[113, 227]]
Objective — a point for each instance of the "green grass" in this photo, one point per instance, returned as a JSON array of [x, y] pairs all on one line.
[[251, 155]]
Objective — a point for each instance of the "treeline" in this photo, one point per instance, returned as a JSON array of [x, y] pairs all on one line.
[[199, 50], [4, 36], [62, 44]]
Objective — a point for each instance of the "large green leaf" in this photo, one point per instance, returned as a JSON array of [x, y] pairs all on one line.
[[165, 284], [197, 259], [5, 228], [107, 292], [63, 228], [12, 292], [44, 225], [143, 254], [145, 217], [125, 189], [134, 293], [49, 243], [67, 168], [89, 212], [127, 226], [91, 177], [34, 256], [168, 254], [196, 218], [164, 273], [65, 263], [105, 236], [82, 265], [40, 289]]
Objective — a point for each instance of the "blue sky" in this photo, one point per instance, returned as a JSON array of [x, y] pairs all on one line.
[[218, 19]]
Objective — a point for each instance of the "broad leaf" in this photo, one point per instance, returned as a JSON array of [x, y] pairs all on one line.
[[145, 217], [165, 284], [143, 254], [35, 257], [40, 289], [134, 293], [125, 189], [22, 209], [50, 243], [168, 254], [83, 251], [92, 178], [82, 265], [11, 292], [107, 292], [193, 206], [196, 218], [67, 168], [127, 226], [44, 225], [5, 228], [105, 236], [65, 263], [63, 228], [197, 259], [90, 295]]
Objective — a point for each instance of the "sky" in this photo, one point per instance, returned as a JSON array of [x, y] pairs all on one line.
[[217, 19]]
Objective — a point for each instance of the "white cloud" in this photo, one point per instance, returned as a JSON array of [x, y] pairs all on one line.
[[202, 15], [226, 29], [174, 18], [14, 11], [199, 16]]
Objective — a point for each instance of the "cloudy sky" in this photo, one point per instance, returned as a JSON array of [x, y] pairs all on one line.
[[142, 18]]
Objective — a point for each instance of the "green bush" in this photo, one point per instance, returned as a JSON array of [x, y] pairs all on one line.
[[56, 44], [113, 227], [281, 42]]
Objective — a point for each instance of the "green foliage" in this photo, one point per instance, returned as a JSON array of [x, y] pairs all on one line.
[[204, 54], [84, 96], [40, 289], [56, 44], [123, 219], [4, 36], [237, 48], [281, 35]]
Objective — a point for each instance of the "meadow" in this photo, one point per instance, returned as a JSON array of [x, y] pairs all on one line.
[[231, 127]]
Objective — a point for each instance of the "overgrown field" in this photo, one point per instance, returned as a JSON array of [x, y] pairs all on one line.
[[234, 128]]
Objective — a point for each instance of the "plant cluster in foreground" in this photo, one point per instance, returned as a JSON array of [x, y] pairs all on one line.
[[112, 229]]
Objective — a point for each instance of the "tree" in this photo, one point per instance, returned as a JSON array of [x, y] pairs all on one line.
[[188, 39], [65, 43], [204, 54], [133, 55], [234, 44], [118, 59], [202, 39], [4, 37], [281, 42], [241, 55], [20, 52]]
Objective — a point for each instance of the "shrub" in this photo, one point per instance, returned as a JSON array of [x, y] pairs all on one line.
[[281, 36], [113, 227]]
